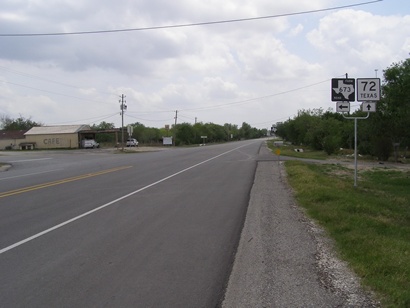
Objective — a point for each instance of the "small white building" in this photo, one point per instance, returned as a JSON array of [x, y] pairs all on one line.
[[12, 140], [54, 137]]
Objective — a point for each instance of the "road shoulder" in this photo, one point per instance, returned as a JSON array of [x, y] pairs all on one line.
[[283, 258]]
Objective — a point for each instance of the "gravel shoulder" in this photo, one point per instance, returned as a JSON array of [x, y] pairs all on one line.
[[284, 259]]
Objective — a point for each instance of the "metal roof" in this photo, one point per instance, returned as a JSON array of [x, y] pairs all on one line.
[[61, 129], [12, 134]]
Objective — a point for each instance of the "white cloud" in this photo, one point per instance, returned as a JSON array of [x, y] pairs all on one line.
[[358, 37], [189, 69], [296, 30]]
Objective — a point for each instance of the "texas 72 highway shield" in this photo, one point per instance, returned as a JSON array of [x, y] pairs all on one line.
[[368, 89]]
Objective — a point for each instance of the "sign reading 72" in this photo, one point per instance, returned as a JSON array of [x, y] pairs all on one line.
[[368, 89]]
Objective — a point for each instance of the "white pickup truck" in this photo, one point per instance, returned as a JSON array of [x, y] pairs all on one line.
[[89, 144], [131, 142]]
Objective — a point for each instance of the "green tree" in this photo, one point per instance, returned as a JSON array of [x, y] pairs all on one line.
[[216, 133], [245, 131], [394, 107], [331, 130], [21, 123], [103, 126], [185, 134], [138, 132], [232, 131]]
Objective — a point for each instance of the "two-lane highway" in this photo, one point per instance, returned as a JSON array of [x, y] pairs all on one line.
[[97, 229]]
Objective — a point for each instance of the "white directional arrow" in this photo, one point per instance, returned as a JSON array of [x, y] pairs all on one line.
[[342, 107], [369, 107]]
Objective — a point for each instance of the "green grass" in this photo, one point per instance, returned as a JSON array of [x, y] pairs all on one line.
[[370, 224]]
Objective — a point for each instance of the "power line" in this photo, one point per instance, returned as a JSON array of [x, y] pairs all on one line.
[[149, 120], [185, 117], [257, 98], [52, 92], [100, 118], [43, 79], [190, 24]]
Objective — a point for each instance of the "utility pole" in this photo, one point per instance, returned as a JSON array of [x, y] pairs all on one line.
[[123, 107], [195, 131], [175, 127]]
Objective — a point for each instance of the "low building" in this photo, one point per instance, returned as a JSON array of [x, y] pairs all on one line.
[[54, 137], [12, 140]]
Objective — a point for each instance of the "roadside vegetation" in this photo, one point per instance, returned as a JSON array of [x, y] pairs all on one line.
[[189, 134], [184, 133], [370, 224], [384, 135]]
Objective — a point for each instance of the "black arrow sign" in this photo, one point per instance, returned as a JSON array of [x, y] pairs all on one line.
[[368, 107], [343, 107]]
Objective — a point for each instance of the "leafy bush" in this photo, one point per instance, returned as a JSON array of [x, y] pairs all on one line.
[[383, 148]]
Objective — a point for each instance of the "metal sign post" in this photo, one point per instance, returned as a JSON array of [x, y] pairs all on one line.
[[355, 142]]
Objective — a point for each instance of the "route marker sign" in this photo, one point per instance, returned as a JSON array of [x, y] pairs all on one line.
[[369, 106], [342, 107], [343, 89], [368, 89]]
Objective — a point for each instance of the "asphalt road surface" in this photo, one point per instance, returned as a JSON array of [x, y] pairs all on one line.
[[90, 228]]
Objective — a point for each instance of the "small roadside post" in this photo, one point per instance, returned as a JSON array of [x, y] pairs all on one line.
[[278, 153], [130, 129], [203, 139], [343, 92]]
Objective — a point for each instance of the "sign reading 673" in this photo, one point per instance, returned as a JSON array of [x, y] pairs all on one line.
[[343, 89]]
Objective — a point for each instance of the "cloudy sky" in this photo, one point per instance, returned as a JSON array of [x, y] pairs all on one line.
[[255, 70]]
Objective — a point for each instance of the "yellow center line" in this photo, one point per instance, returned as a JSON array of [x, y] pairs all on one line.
[[58, 182]]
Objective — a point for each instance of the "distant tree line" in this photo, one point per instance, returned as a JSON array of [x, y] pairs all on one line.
[[184, 133], [381, 135], [187, 134]]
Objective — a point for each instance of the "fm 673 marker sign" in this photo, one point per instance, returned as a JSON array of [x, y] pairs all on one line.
[[343, 90]]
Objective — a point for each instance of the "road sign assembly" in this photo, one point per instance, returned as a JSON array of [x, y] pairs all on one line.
[[343, 89], [344, 92]]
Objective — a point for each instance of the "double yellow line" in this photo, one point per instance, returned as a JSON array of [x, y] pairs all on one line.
[[59, 182]]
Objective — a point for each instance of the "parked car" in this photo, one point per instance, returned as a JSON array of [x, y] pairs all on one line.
[[90, 144], [131, 142]]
